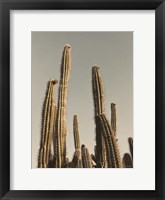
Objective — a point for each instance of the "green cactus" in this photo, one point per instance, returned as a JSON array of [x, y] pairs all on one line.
[[112, 151], [98, 98], [60, 127], [48, 117], [86, 158], [130, 141], [127, 161]]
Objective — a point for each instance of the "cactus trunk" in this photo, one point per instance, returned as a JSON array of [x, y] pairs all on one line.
[[76, 133], [98, 98], [86, 157], [60, 128], [48, 120], [112, 151], [113, 118]]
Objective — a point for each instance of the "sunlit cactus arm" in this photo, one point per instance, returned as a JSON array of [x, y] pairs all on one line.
[[127, 161], [86, 158], [112, 151], [76, 132], [60, 129], [97, 91], [47, 126], [44, 130], [52, 123], [113, 118], [98, 98], [130, 141]]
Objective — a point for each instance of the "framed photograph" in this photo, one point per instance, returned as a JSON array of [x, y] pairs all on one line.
[[82, 99]]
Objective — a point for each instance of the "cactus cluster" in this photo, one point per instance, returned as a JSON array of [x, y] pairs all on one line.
[[52, 151]]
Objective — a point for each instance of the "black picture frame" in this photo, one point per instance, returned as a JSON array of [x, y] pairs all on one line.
[[5, 7]]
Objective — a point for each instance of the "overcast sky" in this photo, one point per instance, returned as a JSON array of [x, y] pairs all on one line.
[[113, 53]]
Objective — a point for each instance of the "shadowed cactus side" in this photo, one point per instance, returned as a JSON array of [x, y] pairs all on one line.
[[113, 118], [86, 158], [48, 120], [76, 159], [60, 126], [130, 141], [112, 151], [127, 161], [98, 98]]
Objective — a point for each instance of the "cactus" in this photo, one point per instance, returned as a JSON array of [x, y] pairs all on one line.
[[127, 161], [98, 98], [76, 133], [76, 158], [51, 161], [48, 117], [52, 151], [86, 158], [130, 141], [60, 126], [77, 153], [112, 151], [113, 118]]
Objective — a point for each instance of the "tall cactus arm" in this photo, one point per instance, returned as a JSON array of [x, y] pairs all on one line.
[[113, 118], [60, 129], [76, 132], [98, 98], [47, 126], [97, 90]]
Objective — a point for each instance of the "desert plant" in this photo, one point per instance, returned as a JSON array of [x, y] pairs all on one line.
[[60, 126], [52, 151], [76, 132], [86, 158], [130, 141], [112, 151], [98, 98], [113, 118], [127, 161], [48, 117]]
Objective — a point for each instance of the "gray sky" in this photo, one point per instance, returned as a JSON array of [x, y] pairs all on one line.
[[113, 53]]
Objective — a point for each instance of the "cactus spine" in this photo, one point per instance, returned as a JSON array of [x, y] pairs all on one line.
[[98, 98], [48, 117], [60, 127]]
